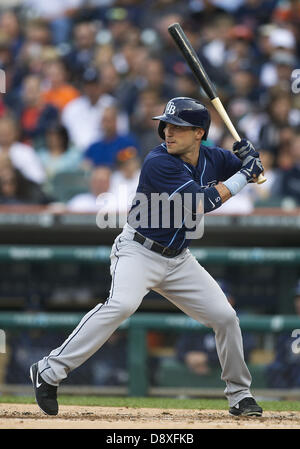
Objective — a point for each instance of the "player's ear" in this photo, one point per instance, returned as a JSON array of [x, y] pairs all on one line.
[[199, 133]]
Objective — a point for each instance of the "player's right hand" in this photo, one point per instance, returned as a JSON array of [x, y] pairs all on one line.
[[252, 168], [244, 148]]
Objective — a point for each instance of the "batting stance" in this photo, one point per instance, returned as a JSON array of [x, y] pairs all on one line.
[[157, 258]]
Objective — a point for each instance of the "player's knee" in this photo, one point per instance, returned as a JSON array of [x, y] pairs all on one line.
[[127, 309], [227, 319]]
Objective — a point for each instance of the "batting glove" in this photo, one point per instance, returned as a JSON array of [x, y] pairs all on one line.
[[252, 168], [243, 149]]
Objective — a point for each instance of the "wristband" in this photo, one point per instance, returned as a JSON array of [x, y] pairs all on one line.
[[236, 183]]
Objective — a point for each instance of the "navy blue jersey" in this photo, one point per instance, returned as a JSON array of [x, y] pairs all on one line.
[[163, 172]]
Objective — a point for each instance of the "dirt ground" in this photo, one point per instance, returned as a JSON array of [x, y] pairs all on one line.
[[26, 416]]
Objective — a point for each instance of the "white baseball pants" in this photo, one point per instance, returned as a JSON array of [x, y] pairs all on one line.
[[182, 280]]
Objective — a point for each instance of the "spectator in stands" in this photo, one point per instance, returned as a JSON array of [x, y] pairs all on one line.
[[269, 191], [280, 115], [8, 68], [58, 156], [148, 105], [82, 116], [121, 27], [263, 45], [283, 50], [130, 62], [37, 36], [287, 12], [82, 52], [3, 106], [157, 79], [99, 183], [290, 181], [23, 157], [11, 27], [216, 42], [255, 13], [286, 136], [284, 371], [16, 189], [248, 116], [198, 351], [37, 33], [59, 92], [134, 56], [245, 83], [35, 115], [112, 84], [125, 178], [104, 151], [58, 14], [185, 86], [165, 11], [241, 49], [104, 55], [217, 130], [284, 64]]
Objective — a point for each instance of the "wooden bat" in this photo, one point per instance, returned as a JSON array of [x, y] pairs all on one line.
[[198, 70]]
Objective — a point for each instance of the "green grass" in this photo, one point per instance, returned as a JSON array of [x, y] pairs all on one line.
[[149, 402]]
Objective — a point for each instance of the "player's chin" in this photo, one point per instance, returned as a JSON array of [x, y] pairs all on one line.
[[171, 148]]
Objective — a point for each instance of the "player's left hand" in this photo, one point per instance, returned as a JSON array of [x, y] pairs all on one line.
[[252, 168], [243, 149]]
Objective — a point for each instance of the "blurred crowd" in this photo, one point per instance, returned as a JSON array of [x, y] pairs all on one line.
[[83, 78]]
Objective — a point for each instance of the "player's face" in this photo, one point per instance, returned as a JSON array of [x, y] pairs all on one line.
[[182, 139]]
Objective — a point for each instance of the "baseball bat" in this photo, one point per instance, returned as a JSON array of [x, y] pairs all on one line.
[[198, 70]]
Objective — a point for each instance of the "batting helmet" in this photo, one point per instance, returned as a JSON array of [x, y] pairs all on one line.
[[184, 111]]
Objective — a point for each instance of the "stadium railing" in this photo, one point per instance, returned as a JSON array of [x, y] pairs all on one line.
[[137, 326]]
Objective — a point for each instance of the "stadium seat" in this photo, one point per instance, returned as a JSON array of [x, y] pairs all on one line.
[[172, 373], [65, 185]]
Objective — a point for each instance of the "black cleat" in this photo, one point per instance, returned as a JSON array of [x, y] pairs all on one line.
[[246, 407], [45, 394]]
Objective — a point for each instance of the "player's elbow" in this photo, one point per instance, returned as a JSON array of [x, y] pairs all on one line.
[[205, 201], [211, 199]]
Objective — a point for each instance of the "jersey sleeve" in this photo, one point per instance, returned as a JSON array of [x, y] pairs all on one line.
[[165, 176], [230, 164]]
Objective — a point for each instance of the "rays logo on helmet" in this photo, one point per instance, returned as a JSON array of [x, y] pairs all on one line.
[[184, 111], [170, 108]]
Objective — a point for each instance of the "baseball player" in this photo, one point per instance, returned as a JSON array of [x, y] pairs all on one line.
[[156, 257]]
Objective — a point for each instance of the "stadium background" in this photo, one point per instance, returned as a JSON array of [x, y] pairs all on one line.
[[83, 79]]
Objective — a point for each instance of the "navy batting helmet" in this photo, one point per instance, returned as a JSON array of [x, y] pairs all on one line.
[[184, 111]]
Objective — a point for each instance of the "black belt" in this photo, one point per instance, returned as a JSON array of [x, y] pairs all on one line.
[[156, 247]]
